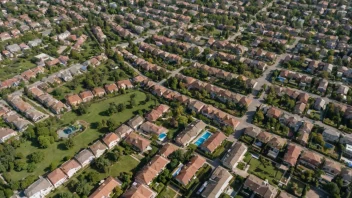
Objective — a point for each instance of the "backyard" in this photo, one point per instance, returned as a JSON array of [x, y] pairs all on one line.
[[265, 169], [167, 193], [81, 140]]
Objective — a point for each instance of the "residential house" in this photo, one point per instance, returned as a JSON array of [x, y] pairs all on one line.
[[234, 155], [57, 177], [14, 118], [138, 142], [135, 122], [319, 104], [299, 108], [274, 112], [276, 143], [6, 133], [252, 131], [323, 85], [213, 142], [331, 168], [303, 137], [310, 159], [151, 128], [123, 130], [190, 133], [86, 96], [152, 170], [263, 138], [85, 157], [98, 148], [111, 88], [188, 172], [98, 92], [346, 174], [139, 191], [260, 187], [124, 84], [39, 189], [106, 189], [217, 183], [167, 149], [196, 105], [331, 135], [292, 154], [111, 140], [73, 100], [14, 48]]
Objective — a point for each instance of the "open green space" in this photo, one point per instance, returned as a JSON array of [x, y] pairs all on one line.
[[265, 169], [10, 68], [125, 163], [56, 152], [167, 193]]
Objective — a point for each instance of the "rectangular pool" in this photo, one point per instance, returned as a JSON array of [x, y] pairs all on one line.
[[206, 135], [162, 136]]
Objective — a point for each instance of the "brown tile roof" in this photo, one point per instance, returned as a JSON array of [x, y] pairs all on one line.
[[153, 115], [138, 141], [71, 164], [292, 154], [98, 91], [311, 158], [72, 99], [187, 173], [214, 141], [106, 188], [140, 191], [167, 149], [274, 112], [109, 138], [264, 137], [257, 185], [277, 142], [154, 167], [111, 87], [56, 175], [86, 94]]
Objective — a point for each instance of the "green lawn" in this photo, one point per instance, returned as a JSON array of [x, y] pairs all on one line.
[[56, 152], [167, 193], [10, 68], [125, 164], [265, 171]]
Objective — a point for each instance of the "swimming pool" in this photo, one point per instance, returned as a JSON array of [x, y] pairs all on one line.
[[70, 129], [162, 136], [206, 135]]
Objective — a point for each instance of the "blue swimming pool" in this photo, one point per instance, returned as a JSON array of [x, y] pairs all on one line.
[[69, 130], [162, 136], [206, 135]]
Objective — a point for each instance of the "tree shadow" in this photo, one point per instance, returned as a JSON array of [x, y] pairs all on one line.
[[61, 146]]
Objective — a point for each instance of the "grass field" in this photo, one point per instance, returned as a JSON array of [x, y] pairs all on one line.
[[125, 164], [14, 67], [265, 171], [167, 193], [56, 152]]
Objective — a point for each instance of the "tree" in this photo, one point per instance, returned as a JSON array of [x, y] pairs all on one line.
[[333, 189], [121, 107], [44, 142], [36, 157], [102, 164], [69, 143], [111, 124], [82, 109], [117, 192], [133, 102]]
